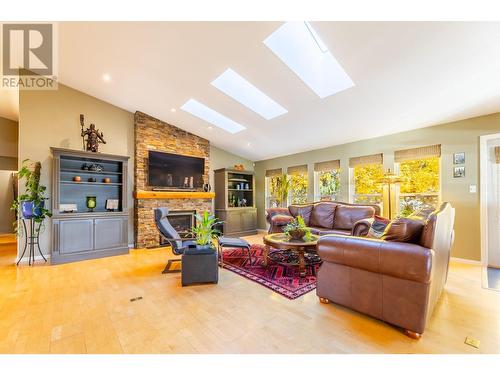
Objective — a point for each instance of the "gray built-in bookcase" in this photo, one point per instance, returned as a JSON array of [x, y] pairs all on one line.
[[86, 234], [232, 188]]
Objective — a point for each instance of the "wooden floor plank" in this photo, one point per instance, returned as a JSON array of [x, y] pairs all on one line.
[[85, 307]]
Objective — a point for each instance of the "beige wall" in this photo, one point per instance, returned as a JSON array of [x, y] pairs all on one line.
[[52, 119], [460, 136], [8, 164], [223, 159], [8, 137]]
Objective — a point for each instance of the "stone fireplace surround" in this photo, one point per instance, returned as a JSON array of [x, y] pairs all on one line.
[[153, 134]]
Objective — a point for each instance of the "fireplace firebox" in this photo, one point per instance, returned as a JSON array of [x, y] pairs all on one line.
[[182, 221]]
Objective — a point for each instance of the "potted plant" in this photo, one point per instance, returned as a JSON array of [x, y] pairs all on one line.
[[282, 190], [31, 204], [297, 229], [205, 230], [200, 262]]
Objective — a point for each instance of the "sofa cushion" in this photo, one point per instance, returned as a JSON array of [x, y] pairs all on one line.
[[302, 210], [378, 226], [346, 216], [322, 215], [404, 229], [334, 231]]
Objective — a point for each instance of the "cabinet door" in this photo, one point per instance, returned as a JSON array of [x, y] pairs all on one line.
[[76, 236], [110, 233], [249, 220], [233, 222]]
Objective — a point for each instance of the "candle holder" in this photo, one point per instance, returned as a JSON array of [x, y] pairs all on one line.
[[91, 203]]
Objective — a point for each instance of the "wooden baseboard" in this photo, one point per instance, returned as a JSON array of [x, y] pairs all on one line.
[[466, 261]]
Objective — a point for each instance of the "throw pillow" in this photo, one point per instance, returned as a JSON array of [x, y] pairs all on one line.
[[378, 227], [404, 229]]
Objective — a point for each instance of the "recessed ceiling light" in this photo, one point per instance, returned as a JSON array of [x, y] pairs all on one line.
[[238, 88], [213, 117], [173, 110], [248, 144], [302, 50], [106, 77], [210, 128]]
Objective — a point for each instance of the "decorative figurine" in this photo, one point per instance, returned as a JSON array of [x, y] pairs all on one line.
[[94, 137]]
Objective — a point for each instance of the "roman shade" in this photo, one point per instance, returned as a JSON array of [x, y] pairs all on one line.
[[417, 153], [274, 172], [298, 169], [365, 160], [325, 166], [497, 154]]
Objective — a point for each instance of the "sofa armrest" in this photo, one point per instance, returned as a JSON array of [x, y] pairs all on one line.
[[270, 212], [401, 260], [361, 227]]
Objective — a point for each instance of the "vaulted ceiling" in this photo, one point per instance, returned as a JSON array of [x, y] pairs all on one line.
[[407, 75]]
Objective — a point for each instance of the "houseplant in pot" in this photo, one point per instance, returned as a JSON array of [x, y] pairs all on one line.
[[282, 190], [205, 230], [297, 229], [200, 262], [31, 204]]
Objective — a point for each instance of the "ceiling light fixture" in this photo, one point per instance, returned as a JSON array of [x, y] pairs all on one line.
[[238, 88], [173, 110], [106, 77], [303, 51], [211, 116]]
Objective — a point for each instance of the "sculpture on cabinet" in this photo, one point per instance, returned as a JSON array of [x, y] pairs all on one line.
[[94, 137]]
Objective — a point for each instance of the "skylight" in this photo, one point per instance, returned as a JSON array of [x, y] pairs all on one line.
[[238, 88], [213, 117], [302, 50]]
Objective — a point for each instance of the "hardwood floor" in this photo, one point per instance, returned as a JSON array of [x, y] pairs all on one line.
[[85, 307]]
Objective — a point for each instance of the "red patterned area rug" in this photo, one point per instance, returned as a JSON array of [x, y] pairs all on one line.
[[281, 279]]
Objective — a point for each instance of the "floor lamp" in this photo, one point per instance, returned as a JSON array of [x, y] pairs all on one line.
[[390, 179]]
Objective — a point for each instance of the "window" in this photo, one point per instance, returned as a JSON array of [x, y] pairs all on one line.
[[326, 180], [328, 185], [272, 177], [419, 171], [366, 172], [367, 188], [298, 188], [420, 186], [298, 184]]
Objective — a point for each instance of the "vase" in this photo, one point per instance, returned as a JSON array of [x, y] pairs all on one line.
[[30, 209], [91, 203]]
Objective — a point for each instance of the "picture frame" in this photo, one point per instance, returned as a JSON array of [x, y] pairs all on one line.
[[112, 204], [459, 158], [459, 172]]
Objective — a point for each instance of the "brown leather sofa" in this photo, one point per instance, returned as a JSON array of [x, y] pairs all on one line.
[[325, 217], [396, 282]]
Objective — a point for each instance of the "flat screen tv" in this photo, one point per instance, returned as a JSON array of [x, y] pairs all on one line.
[[172, 171]]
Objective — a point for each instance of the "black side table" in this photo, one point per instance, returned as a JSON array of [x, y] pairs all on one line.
[[31, 239]]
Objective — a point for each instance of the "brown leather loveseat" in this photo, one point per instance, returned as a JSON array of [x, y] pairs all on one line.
[[325, 217], [397, 282]]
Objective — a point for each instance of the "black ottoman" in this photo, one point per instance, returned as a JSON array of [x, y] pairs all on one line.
[[238, 243], [199, 266]]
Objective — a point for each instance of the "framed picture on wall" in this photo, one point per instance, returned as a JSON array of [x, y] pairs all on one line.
[[459, 158], [458, 172]]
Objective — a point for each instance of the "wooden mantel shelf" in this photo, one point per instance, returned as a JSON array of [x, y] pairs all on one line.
[[141, 194]]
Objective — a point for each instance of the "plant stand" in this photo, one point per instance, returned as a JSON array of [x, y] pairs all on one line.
[[31, 239], [199, 266]]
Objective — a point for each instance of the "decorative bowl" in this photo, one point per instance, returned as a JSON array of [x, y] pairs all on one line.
[[297, 234]]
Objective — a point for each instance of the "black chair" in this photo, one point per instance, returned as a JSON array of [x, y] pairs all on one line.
[[170, 235]]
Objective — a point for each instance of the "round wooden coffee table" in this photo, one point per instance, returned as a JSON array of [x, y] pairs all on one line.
[[283, 242]]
